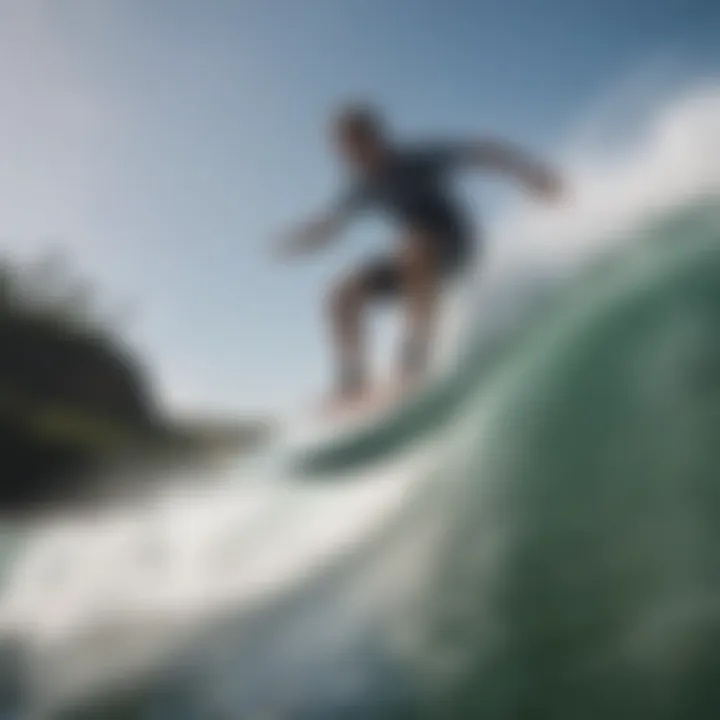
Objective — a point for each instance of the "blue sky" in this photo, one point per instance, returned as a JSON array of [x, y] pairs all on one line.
[[164, 142]]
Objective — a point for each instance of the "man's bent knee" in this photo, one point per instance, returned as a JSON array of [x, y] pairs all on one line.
[[345, 299]]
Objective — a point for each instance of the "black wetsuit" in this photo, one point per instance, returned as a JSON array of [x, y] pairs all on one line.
[[413, 189]]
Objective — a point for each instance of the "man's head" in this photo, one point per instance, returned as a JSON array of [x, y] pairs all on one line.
[[360, 137]]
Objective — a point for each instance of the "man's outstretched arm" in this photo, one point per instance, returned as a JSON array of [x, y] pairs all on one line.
[[311, 235], [506, 158], [323, 229]]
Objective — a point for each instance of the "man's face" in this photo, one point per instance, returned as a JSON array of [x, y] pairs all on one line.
[[361, 149]]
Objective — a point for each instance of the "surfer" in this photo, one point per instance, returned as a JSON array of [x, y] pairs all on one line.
[[436, 241]]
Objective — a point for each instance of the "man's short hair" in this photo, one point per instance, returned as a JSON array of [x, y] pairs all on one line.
[[359, 119]]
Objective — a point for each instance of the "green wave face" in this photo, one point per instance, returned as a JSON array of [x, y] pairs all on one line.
[[586, 547]]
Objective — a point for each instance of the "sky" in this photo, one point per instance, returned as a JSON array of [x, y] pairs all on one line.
[[163, 143]]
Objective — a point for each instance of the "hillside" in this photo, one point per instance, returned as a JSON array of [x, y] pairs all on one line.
[[75, 398]]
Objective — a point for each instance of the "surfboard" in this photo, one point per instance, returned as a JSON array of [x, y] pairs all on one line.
[[324, 422]]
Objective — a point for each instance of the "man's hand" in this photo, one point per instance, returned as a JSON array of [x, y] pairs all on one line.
[[546, 184], [509, 159], [310, 237], [287, 247]]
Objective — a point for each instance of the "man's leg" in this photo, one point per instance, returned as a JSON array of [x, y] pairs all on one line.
[[422, 277], [346, 307], [380, 279]]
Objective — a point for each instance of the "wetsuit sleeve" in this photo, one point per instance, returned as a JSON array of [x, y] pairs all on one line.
[[446, 156]]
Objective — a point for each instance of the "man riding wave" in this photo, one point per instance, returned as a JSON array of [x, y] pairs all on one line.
[[437, 240]]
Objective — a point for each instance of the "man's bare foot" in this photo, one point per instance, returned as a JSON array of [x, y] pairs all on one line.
[[342, 403], [375, 399], [357, 404]]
